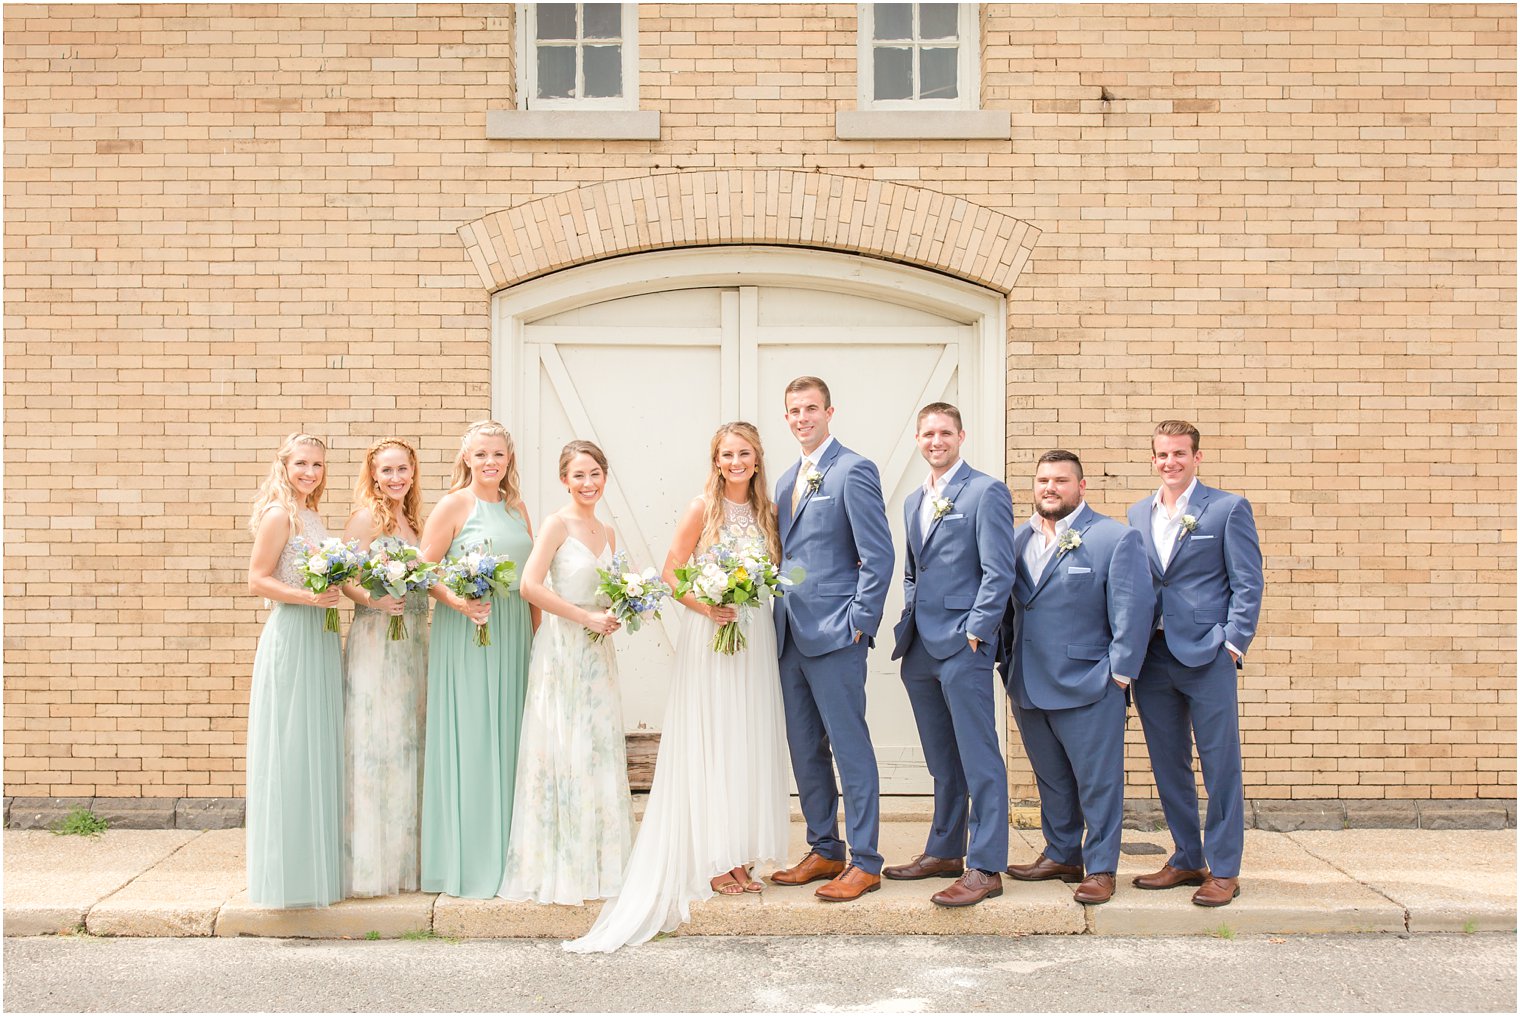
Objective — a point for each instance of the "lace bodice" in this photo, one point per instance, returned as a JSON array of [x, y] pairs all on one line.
[[739, 524], [313, 532], [572, 573]]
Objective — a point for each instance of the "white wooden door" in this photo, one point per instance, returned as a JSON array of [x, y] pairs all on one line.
[[649, 376]]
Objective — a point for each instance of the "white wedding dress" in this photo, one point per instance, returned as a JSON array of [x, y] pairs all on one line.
[[721, 780]]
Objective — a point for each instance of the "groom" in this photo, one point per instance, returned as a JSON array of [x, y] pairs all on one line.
[[833, 524]]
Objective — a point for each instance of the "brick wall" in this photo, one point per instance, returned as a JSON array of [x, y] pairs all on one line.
[[1293, 225]]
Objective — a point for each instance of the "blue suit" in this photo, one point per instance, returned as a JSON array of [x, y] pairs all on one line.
[[956, 581], [1085, 620], [839, 536], [1208, 594]]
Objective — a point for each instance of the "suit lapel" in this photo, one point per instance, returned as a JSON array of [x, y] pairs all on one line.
[[1021, 578], [1196, 507], [1147, 531], [784, 500], [1088, 518], [952, 490], [915, 533], [822, 465]]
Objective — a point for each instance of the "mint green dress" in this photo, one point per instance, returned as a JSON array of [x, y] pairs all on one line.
[[474, 716], [295, 750]]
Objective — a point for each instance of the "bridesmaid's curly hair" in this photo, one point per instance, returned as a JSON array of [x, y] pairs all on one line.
[[367, 492], [276, 491], [511, 492], [759, 498]]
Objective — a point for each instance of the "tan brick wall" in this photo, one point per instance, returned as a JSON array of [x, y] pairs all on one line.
[[1294, 225]]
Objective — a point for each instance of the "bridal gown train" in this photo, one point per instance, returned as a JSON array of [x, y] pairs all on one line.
[[721, 779]]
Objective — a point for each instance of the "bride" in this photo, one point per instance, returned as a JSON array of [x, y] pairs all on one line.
[[718, 804]]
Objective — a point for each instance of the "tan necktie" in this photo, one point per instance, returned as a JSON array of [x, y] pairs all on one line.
[[801, 484]]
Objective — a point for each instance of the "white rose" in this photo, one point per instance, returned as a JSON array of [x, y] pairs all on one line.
[[395, 571], [633, 586], [316, 564]]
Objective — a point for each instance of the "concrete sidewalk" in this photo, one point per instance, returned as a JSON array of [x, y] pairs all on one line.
[[177, 883]]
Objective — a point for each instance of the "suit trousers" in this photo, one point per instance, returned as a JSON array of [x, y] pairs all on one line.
[[825, 700], [1078, 760], [954, 708], [1178, 704]]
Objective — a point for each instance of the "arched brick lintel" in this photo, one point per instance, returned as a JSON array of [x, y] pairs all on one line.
[[879, 218]]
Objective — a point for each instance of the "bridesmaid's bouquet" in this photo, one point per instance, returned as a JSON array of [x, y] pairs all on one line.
[[475, 575], [631, 596], [396, 568], [739, 573], [324, 565]]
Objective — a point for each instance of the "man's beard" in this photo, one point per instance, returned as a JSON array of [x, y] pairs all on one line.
[[1055, 514]]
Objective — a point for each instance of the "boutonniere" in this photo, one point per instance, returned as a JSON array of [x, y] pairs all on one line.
[[942, 506], [813, 479], [1189, 523], [1069, 541]]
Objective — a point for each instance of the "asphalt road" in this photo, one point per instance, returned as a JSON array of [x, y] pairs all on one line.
[[1422, 973]]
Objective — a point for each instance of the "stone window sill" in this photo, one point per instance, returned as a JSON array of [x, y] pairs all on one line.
[[913, 124], [573, 124]]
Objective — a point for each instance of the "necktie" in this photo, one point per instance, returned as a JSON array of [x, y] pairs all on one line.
[[801, 484]]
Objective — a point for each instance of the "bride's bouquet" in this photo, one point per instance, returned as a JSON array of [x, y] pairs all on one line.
[[475, 575], [631, 596], [739, 573], [396, 568], [324, 565]]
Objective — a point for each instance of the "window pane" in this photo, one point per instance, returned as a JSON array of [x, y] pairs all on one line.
[[556, 21], [894, 72], [936, 66], [937, 21], [602, 21], [556, 72], [893, 21], [604, 71]]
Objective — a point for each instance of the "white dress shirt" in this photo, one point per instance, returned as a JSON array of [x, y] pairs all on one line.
[[1166, 530], [932, 489], [1164, 527], [1039, 552]]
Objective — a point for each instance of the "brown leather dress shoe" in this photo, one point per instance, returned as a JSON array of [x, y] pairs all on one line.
[[972, 887], [1217, 892], [1169, 878], [810, 869], [850, 884], [1043, 869], [924, 866], [1095, 888]]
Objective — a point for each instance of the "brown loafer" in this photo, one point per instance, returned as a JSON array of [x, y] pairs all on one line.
[[1217, 892], [1169, 878], [972, 887], [1095, 888], [924, 866], [850, 884], [1043, 869], [810, 869]]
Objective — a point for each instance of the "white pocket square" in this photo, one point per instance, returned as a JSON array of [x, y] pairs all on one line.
[[1074, 570], [1203, 536], [823, 497], [948, 518]]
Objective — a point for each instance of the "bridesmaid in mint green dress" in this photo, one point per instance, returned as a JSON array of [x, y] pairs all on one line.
[[475, 693], [295, 710]]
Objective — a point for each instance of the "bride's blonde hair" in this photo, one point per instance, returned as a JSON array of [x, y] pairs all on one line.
[[511, 495], [367, 491], [759, 499], [276, 490]]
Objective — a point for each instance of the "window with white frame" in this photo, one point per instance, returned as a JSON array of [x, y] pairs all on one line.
[[919, 56], [577, 56]]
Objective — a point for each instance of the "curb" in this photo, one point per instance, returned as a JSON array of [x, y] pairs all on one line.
[[201, 813]]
